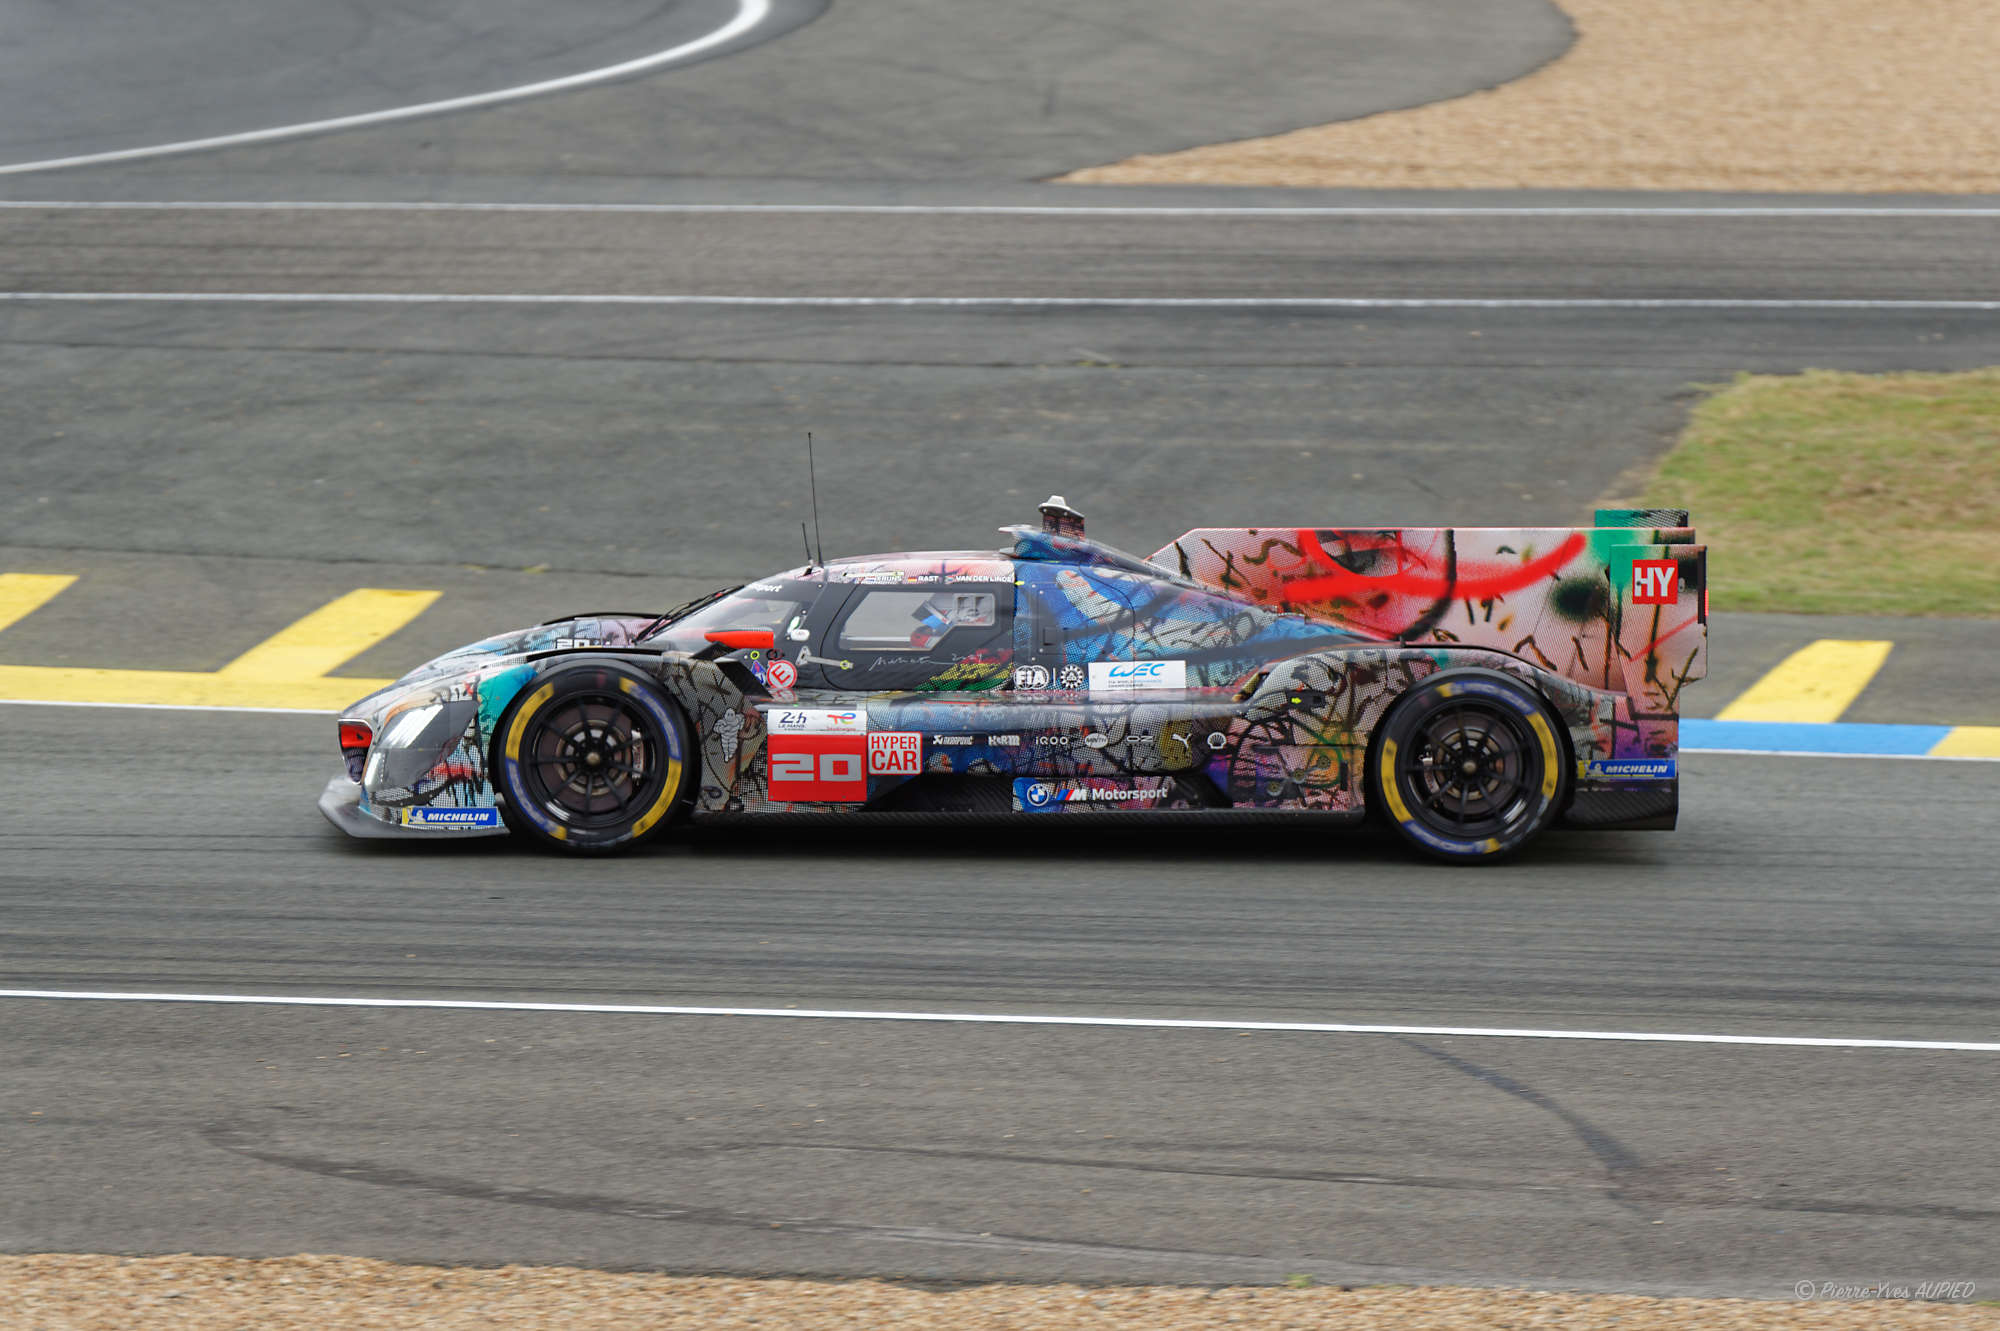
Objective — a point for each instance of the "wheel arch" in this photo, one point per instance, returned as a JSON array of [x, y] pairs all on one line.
[[1377, 786], [1528, 676], [614, 672]]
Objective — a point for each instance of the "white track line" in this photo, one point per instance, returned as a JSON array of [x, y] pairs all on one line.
[[988, 210], [749, 13], [995, 302], [1000, 1019]]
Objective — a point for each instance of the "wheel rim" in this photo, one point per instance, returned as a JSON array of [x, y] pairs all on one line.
[[594, 760], [1472, 770]]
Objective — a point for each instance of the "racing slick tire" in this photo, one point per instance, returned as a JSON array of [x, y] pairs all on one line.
[[1469, 767], [592, 759]]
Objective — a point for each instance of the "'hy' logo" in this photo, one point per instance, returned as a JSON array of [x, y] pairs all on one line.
[[1655, 582]]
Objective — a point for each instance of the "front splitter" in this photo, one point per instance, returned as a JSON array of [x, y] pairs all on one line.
[[341, 803]]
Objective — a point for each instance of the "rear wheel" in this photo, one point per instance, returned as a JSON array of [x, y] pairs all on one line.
[[1470, 766], [592, 759]]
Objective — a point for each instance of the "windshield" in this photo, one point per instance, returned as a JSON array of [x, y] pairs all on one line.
[[761, 605]]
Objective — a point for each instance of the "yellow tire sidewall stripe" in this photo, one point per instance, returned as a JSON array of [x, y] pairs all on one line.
[[1551, 773], [671, 787]]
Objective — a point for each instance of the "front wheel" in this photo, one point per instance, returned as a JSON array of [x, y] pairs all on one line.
[[592, 759], [1469, 766]]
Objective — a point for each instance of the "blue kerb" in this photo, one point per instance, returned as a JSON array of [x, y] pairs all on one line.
[[1810, 737]]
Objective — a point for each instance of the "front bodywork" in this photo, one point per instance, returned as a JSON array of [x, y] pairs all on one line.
[[1238, 670], [424, 772]]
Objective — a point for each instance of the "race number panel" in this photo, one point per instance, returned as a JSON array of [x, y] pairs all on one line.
[[819, 768]]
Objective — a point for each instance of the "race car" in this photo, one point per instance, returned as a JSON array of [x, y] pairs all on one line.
[[1469, 687]]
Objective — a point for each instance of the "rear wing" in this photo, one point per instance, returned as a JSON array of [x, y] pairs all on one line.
[[1620, 605]]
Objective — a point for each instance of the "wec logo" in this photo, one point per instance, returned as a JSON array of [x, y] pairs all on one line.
[[1655, 582], [1120, 675]]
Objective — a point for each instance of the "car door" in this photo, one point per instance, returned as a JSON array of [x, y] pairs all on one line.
[[929, 638]]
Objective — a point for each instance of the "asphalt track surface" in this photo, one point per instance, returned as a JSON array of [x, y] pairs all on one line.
[[224, 466], [873, 90], [179, 860]]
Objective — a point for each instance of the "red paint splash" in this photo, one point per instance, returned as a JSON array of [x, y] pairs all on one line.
[[1472, 581]]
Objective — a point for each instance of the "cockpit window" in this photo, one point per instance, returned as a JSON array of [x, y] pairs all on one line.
[[761, 605], [909, 621]]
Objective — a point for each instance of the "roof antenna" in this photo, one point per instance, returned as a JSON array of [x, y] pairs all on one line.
[[809, 546], [813, 477]]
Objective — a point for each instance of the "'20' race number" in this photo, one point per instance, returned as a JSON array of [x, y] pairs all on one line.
[[818, 768], [837, 767]]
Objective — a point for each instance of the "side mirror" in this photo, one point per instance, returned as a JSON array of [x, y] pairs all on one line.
[[737, 639]]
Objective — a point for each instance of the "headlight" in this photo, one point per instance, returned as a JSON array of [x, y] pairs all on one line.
[[416, 740], [407, 726]]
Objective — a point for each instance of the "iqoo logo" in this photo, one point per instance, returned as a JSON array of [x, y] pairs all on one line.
[[1655, 582]]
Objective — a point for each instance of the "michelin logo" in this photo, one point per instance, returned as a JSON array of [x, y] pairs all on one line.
[[451, 817], [1644, 769]]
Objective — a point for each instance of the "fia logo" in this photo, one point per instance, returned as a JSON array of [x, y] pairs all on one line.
[[1030, 677], [1655, 582]]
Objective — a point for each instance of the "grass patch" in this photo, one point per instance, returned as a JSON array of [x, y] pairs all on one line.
[[1824, 492]]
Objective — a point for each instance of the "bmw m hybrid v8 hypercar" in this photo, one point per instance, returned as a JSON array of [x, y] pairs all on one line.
[[1471, 687]]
